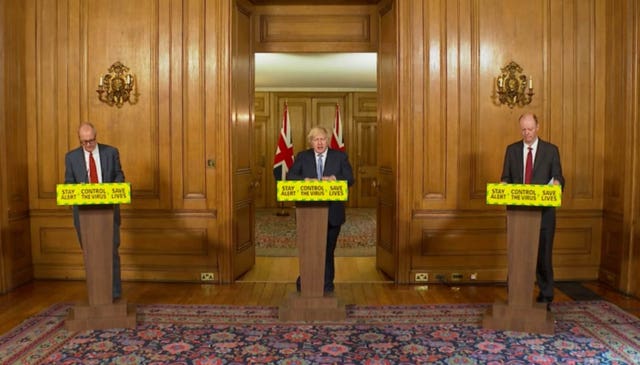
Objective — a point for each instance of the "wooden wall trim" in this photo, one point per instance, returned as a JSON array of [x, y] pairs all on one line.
[[621, 200], [320, 28], [391, 223], [15, 253], [137, 213], [3, 154], [475, 242]]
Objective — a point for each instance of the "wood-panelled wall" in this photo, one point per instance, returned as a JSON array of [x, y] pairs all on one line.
[[15, 250], [620, 263], [448, 79], [438, 65], [173, 142]]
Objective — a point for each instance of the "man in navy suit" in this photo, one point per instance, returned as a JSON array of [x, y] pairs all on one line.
[[545, 169], [322, 163], [106, 168]]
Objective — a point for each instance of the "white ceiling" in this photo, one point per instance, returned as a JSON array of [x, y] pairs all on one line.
[[315, 71]]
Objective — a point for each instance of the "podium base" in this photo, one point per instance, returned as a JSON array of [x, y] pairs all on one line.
[[533, 319], [325, 308], [105, 316]]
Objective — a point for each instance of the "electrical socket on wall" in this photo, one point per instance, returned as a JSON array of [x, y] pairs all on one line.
[[207, 276], [421, 277]]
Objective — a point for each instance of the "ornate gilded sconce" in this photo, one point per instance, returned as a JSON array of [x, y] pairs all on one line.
[[513, 88], [118, 86]]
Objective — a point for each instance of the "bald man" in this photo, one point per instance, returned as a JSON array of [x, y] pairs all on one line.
[[107, 169], [546, 169]]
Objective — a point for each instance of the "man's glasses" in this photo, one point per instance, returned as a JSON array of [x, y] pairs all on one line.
[[88, 141]]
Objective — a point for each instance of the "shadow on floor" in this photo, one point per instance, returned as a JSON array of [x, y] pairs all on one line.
[[576, 291]]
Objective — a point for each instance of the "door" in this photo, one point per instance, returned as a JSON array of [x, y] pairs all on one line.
[[244, 182], [387, 243], [366, 161], [261, 167]]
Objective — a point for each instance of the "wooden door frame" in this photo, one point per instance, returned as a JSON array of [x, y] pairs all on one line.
[[229, 208]]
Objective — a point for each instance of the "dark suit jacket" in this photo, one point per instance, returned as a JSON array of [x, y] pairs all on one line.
[[337, 164], [76, 169], [545, 166], [76, 172]]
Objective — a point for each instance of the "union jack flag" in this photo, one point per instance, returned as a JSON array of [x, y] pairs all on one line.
[[336, 140], [283, 159]]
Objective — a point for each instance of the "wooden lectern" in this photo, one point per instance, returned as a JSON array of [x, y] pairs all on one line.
[[520, 313], [312, 304], [96, 233]]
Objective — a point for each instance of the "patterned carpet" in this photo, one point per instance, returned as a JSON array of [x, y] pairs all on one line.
[[276, 235], [593, 332]]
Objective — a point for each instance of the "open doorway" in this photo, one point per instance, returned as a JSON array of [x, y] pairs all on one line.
[[326, 89], [353, 26]]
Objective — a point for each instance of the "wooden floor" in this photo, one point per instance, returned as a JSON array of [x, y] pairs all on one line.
[[285, 270], [268, 284]]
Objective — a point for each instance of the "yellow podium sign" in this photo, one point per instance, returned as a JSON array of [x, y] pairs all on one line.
[[524, 194], [300, 190], [93, 194]]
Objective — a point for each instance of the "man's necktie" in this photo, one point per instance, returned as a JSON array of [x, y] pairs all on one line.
[[528, 169], [93, 171], [319, 167]]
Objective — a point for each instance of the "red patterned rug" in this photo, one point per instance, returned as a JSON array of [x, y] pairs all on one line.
[[593, 332], [276, 235]]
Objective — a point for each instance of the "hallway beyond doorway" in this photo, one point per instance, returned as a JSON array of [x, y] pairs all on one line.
[[276, 235], [285, 270]]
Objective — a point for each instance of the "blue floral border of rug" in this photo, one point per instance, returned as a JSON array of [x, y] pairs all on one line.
[[586, 333]]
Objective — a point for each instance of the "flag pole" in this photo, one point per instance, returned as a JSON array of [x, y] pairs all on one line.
[[283, 158], [282, 212]]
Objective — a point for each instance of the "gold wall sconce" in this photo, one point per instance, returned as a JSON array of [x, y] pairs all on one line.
[[118, 86], [513, 88]]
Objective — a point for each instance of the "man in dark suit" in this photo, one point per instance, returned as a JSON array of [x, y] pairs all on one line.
[[322, 163], [105, 167], [543, 159]]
